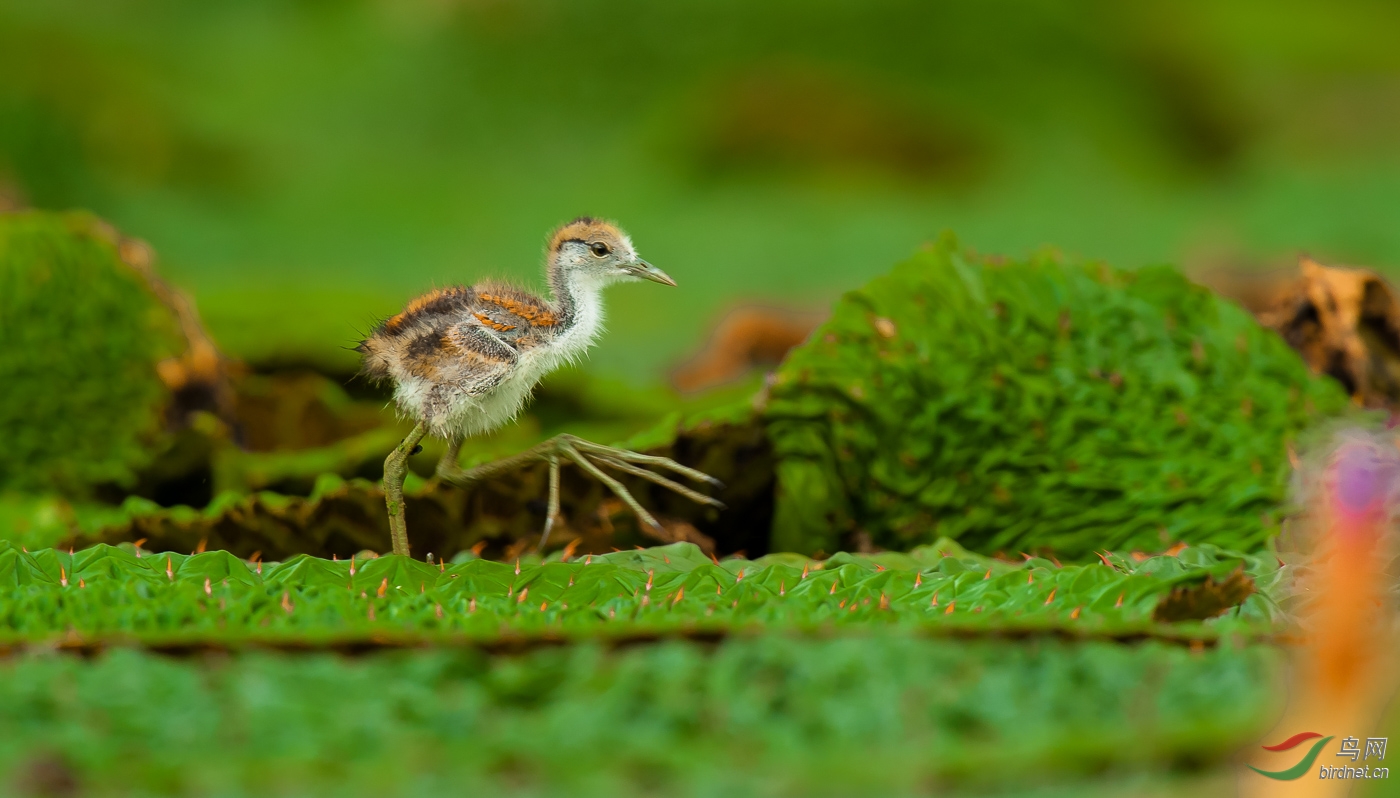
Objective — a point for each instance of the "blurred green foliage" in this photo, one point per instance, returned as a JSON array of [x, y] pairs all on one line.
[[305, 166], [1016, 405], [880, 714], [81, 333]]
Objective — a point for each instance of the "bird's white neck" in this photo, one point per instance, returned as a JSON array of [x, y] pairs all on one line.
[[578, 304]]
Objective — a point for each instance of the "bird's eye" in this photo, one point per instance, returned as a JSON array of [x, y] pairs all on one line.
[[599, 248]]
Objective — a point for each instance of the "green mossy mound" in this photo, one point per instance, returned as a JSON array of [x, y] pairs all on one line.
[[80, 336], [1038, 405]]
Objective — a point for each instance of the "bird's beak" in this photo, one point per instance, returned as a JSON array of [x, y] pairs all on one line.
[[646, 271]]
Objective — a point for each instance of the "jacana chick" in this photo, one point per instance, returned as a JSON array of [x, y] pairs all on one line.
[[464, 361]]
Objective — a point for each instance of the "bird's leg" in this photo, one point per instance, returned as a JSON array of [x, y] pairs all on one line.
[[588, 456], [552, 510], [448, 470], [395, 466], [449, 459]]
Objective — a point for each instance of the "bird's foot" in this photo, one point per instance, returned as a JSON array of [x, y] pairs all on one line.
[[588, 456]]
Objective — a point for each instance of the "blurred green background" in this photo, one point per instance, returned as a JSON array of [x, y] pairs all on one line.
[[305, 167]]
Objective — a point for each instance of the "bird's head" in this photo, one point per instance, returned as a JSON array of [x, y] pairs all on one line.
[[599, 252]]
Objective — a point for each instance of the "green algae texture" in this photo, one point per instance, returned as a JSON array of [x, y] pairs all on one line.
[[1037, 406], [80, 336]]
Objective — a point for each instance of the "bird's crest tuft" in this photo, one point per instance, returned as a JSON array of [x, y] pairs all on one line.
[[586, 229]]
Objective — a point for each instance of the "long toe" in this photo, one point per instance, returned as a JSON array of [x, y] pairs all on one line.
[[652, 476], [646, 459], [616, 487]]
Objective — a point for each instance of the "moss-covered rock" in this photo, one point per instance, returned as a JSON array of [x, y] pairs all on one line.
[[81, 334], [1036, 405]]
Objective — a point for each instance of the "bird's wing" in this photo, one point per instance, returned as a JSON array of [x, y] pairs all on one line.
[[512, 312], [481, 343], [481, 360]]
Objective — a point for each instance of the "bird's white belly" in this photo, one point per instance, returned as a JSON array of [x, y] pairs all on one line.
[[496, 408], [474, 415]]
